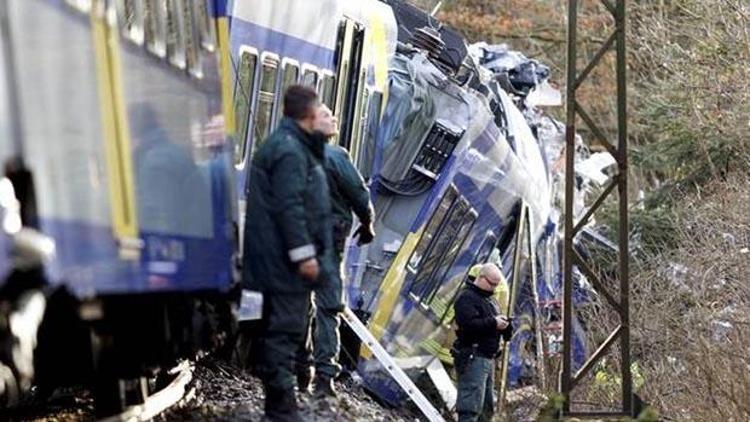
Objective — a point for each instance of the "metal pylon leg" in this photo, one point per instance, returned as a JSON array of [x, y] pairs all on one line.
[[620, 302]]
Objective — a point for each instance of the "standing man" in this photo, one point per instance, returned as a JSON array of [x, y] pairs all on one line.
[[348, 195], [481, 326], [288, 236]]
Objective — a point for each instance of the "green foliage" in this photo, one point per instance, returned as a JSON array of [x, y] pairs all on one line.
[[551, 409], [648, 415]]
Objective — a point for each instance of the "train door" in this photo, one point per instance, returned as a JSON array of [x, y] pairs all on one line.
[[350, 78]]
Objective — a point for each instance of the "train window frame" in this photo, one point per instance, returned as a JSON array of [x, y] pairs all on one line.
[[207, 27], [155, 27], [363, 124], [244, 130], [327, 89], [135, 31], [176, 39], [456, 243], [355, 134], [308, 69], [266, 58], [286, 64], [349, 53], [374, 110], [193, 48], [490, 239], [434, 224]]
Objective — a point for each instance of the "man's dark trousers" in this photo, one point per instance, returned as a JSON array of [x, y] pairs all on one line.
[[476, 379], [321, 344], [284, 330]]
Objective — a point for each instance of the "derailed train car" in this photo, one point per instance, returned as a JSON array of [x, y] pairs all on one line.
[[456, 169], [121, 124]]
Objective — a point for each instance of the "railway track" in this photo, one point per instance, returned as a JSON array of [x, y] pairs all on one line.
[[161, 400]]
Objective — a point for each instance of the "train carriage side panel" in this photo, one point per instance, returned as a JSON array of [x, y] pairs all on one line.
[[174, 127], [62, 121], [180, 158]]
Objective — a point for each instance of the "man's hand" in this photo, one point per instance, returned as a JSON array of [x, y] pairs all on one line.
[[309, 269], [502, 322], [364, 234]]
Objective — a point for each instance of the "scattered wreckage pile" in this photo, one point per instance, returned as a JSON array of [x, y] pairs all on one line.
[[222, 392]]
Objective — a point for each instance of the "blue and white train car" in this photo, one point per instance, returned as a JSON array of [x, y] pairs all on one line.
[[122, 126], [126, 141], [449, 186]]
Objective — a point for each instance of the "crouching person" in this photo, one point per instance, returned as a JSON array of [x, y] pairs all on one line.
[[481, 326]]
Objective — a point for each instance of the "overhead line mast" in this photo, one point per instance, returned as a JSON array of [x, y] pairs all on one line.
[[619, 302]]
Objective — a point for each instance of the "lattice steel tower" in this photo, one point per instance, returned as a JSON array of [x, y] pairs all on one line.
[[619, 301]]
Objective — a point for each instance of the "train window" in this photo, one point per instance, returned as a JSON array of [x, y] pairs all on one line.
[[508, 232], [355, 124], [289, 77], [191, 13], [451, 294], [349, 48], [432, 229], [362, 120], [328, 90], [243, 96], [176, 37], [130, 19], [204, 13], [266, 100], [444, 250], [309, 76], [484, 251], [154, 26], [367, 156]]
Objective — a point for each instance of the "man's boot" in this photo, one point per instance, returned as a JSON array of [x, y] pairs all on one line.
[[281, 406], [324, 387], [304, 379]]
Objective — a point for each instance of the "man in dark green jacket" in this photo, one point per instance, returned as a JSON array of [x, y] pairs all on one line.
[[288, 240], [349, 194]]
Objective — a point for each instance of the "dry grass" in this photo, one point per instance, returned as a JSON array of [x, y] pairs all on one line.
[[690, 312], [691, 329]]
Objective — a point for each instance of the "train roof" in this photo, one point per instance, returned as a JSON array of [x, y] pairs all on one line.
[[410, 18]]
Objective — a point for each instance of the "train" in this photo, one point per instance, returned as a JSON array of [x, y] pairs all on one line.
[[119, 114], [127, 135]]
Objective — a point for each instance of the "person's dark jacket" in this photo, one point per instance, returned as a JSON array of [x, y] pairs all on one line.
[[475, 311], [348, 193], [288, 218]]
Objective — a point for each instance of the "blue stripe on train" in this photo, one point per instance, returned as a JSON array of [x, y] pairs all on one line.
[[88, 261], [266, 39], [221, 8]]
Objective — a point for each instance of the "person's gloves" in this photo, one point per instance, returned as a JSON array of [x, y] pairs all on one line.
[[364, 234], [508, 331]]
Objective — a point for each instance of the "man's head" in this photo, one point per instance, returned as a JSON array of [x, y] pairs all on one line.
[[325, 122], [301, 104], [489, 277]]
